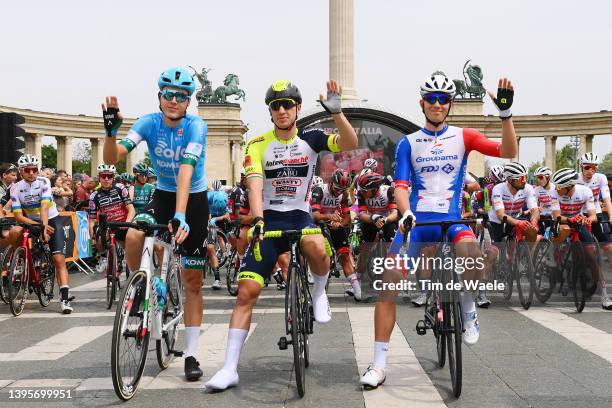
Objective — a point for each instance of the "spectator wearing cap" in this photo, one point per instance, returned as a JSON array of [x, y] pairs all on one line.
[[9, 176]]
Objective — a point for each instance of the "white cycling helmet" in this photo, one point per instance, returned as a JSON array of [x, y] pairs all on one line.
[[27, 160], [106, 168], [565, 178], [438, 82], [589, 158], [543, 171], [514, 170], [216, 185], [496, 172], [370, 163]]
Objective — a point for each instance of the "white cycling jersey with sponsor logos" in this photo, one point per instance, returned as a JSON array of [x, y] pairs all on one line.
[[544, 199], [327, 203], [599, 186], [580, 202], [512, 204], [28, 198]]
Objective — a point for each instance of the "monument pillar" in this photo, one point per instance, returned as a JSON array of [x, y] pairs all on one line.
[[470, 107], [130, 161], [550, 152], [341, 46], [224, 141], [97, 149], [64, 153], [34, 145]]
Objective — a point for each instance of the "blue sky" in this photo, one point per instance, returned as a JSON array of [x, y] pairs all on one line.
[[65, 56]]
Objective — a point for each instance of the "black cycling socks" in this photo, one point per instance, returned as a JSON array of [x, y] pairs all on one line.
[[64, 292]]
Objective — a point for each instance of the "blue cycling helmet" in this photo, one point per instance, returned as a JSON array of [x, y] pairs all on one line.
[[219, 202], [151, 173], [177, 77]]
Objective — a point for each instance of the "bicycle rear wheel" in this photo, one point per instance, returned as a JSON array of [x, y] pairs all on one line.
[[544, 275], [231, 277], [296, 315], [18, 281], [130, 341], [454, 329], [578, 277], [523, 268], [505, 271], [172, 308], [437, 328], [5, 264], [111, 276], [222, 256], [47, 280]]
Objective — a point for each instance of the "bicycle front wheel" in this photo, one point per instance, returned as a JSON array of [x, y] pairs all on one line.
[[111, 276], [524, 275], [231, 276], [296, 316], [454, 329], [18, 281], [47, 280], [544, 275], [173, 307], [130, 340], [5, 264], [578, 278]]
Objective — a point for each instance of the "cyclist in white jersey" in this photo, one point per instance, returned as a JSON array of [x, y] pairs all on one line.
[[598, 184], [32, 203], [508, 199], [574, 203]]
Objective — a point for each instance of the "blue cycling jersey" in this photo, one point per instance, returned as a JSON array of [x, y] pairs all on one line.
[[171, 147]]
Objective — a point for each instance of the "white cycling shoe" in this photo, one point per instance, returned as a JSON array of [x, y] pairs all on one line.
[[471, 329], [419, 300], [372, 378], [606, 303]]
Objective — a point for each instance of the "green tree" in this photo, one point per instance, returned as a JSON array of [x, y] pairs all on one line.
[[565, 157], [49, 156], [147, 160], [606, 164], [533, 166], [82, 159]]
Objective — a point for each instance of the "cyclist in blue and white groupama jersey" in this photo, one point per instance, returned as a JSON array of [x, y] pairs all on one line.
[[176, 143], [433, 161]]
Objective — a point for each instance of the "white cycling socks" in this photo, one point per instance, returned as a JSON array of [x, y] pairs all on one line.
[[380, 354], [192, 334], [322, 312], [467, 302], [228, 375]]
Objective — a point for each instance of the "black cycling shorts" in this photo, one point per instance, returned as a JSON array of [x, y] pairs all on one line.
[[162, 208], [57, 243], [369, 231]]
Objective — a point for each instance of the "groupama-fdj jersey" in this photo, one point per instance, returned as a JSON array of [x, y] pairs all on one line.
[[171, 147], [287, 166], [434, 165], [142, 196]]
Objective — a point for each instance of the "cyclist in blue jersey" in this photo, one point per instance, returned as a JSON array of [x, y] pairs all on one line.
[[176, 143], [219, 213], [433, 161]]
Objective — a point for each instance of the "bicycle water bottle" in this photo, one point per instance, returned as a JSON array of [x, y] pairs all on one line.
[[160, 289]]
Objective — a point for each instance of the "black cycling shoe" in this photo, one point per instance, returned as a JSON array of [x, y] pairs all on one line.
[[192, 369]]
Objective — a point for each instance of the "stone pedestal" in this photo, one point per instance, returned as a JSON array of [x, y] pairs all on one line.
[[224, 141], [470, 107]]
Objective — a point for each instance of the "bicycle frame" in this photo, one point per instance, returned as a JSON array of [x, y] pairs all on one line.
[[34, 276]]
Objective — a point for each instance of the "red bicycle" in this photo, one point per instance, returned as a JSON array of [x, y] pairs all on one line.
[[114, 265], [31, 270]]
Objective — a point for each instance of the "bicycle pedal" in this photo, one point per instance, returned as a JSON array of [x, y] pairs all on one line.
[[176, 353], [421, 328], [282, 343]]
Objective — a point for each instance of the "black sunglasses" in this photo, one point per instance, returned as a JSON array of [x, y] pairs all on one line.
[[286, 104]]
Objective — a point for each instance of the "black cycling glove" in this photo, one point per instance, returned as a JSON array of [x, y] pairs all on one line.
[[112, 122]]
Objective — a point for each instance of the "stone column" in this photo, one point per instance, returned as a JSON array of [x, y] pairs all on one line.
[[34, 145], [131, 161], [550, 152], [341, 46], [586, 144], [97, 149], [64, 153]]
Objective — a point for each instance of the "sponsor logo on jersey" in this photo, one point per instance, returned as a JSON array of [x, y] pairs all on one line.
[[285, 162], [448, 168], [162, 150], [421, 159], [296, 182], [286, 190], [247, 161], [429, 169], [179, 132]]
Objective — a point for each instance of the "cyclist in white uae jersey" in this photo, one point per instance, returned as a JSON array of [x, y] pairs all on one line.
[[176, 142], [32, 204], [574, 203], [433, 160]]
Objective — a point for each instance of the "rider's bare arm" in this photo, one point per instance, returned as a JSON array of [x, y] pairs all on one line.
[[347, 138], [131, 212], [182, 187], [255, 185]]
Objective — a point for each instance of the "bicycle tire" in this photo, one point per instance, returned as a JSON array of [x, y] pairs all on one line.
[[296, 316], [544, 275], [111, 276], [523, 272], [173, 306], [231, 277], [578, 277], [133, 295], [47, 280], [221, 255], [452, 315], [5, 264], [505, 272], [591, 275], [18, 281], [439, 335]]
